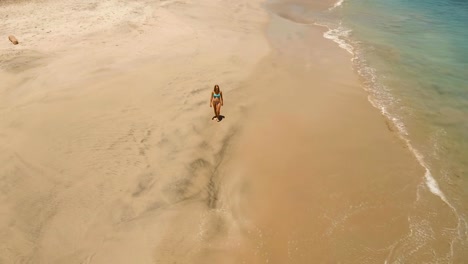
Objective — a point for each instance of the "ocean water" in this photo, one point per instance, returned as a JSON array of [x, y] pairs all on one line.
[[412, 57]]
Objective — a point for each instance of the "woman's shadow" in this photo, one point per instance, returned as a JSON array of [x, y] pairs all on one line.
[[221, 117]]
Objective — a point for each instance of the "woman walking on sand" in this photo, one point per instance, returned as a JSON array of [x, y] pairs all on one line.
[[216, 101]]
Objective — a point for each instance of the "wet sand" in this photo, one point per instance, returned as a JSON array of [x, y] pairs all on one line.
[[110, 155], [329, 181], [328, 178]]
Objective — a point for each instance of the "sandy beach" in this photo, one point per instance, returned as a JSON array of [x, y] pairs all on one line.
[[109, 153]]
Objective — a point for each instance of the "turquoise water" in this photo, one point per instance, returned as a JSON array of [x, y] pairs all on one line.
[[413, 60]]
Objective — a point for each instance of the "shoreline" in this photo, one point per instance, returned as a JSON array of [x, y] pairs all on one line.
[[429, 183], [395, 124]]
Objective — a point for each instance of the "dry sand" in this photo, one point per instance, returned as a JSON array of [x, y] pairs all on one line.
[[109, 154], [107, 144]]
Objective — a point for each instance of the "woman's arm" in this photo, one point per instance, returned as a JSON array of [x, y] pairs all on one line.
[[211, 99], [222, 100]]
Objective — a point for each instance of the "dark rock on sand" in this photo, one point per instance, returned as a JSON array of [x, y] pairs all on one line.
[[13, 40]]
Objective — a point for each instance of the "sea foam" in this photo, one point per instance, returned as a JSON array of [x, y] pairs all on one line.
[[337, 4]]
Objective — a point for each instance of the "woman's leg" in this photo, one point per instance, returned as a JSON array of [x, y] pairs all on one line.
[[215, 110], [218, 108]]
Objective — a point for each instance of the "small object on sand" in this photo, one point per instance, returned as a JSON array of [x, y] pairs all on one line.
[[13, 39]]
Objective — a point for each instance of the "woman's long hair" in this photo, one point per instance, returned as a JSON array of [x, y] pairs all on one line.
[[216, 89]]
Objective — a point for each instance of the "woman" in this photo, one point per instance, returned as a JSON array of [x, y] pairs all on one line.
[[216, 101]]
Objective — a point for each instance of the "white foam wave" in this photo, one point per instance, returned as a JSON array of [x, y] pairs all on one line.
[[433, 186], [431, 183], [337, 35], [337, 4]]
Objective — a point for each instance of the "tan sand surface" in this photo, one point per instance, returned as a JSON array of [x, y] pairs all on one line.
[[109, 153], [107, 145]]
